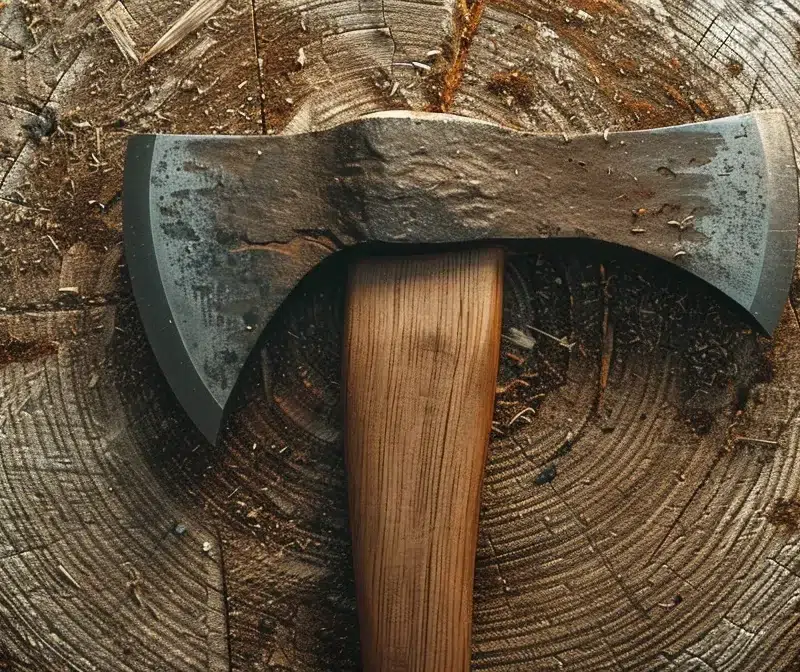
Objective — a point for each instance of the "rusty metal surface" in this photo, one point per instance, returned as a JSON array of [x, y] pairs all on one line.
[[220, 229]]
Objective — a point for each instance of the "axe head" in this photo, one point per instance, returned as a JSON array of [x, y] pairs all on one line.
[[219, 229]]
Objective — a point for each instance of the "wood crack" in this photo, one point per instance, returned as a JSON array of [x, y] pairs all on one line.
[[225, 607], [496, 563], [686, 506], [21, 47], [705, 33], [100, 301], [259, 70], [466, 21], [615, 576], [45, 104], [391, 37], [784, 567]]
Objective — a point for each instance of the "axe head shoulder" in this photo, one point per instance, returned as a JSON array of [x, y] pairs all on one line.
[[220, 229]]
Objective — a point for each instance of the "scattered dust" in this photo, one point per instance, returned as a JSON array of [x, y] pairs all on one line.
[[514, 84], [72, 183], [12, 350], [280, 41], [647, 91], [6, 664], [786, 514], [448, 69], [721, 355], [734, 68], [653, 306]]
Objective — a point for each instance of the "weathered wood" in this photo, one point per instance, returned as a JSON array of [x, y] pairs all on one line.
[[659, 533]]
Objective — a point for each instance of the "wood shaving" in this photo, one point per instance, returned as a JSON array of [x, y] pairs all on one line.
[[194, 17], [119, 22]]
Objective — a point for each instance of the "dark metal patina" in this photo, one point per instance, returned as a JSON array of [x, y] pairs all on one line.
[[219, 230]]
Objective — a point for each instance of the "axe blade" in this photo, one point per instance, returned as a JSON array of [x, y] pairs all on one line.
[[219, 229]]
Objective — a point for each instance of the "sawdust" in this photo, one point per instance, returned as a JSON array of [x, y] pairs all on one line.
[[599, 7], [654, 308], [72, 187], [12, 350], [448, 69], [638, 92], [734, 68], [786, 514], [722, 356], [280, 40], [514, 84]]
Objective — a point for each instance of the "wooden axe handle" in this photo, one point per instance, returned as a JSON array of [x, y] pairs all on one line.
[[422, 341]]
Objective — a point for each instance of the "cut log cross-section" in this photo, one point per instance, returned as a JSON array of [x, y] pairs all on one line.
[[641, 502]]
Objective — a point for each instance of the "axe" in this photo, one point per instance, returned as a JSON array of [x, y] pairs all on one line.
[[220, 229]]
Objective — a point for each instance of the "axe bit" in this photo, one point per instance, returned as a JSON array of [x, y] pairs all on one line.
[[219, 230]]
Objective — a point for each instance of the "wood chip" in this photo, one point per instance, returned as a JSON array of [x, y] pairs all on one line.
[[522, 414], [520, 338], [194, 17], [68, 577], [53, 242], [119, 23], [752, 439]]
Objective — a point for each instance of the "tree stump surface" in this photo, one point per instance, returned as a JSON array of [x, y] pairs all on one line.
[[641, 508]]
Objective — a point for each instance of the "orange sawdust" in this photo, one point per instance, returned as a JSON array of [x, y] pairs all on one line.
[[598, 6], [466, 19], [512, 83]]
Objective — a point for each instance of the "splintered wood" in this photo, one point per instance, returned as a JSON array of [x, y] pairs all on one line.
[[198, 14], [119, 23]]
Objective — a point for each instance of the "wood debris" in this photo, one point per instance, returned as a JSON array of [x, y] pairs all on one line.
[[522, 414], [563, 341], [119, 22], [68, 577], [520, 338], [182, 67], [752, 439], [194, 17], [683, 224], [53, 242]]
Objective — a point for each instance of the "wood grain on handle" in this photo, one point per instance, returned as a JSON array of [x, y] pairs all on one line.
[[422, 340]]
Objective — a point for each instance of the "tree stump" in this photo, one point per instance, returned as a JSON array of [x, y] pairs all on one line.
[[641, 508]]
